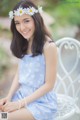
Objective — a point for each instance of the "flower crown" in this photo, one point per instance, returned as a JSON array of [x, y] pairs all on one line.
[[20, 11]]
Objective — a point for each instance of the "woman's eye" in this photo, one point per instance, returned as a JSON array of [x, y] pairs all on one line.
[[26, 21], [16, 23]]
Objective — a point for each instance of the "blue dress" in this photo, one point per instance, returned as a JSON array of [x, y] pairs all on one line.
[[31, 77]]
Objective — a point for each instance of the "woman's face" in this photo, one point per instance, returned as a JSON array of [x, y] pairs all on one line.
[[25, 26]]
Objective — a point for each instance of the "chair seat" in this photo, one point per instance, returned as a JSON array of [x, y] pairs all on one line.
[[66, 107]]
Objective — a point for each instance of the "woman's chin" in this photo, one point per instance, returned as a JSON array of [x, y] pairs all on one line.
[[26, 37]]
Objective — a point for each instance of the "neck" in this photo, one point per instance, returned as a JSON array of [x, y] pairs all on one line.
[[29, 46]]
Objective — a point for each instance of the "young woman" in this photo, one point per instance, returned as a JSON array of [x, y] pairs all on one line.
[[31, 96]]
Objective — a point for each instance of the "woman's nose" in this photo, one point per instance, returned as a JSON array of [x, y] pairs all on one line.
[[22, 27]]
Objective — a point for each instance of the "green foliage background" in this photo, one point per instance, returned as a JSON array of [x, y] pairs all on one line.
[[4, 61], [6, 6], [64, 11]]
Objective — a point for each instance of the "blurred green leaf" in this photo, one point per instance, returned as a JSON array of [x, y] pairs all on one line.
[[64, 11], [4, 61], [6, 6]]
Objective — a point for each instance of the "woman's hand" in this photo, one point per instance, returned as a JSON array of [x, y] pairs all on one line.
[[10, 106], [3, 101]]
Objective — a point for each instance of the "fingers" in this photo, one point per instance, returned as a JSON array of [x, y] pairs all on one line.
[[10, 106], [4, 106], [7, 107], [2, 102]]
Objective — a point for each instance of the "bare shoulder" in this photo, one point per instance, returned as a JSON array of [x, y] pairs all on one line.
[[50, 49]]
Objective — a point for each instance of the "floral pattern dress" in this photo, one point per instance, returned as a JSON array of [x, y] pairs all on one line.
[[31, 77]]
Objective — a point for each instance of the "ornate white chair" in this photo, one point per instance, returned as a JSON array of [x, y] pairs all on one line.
[[68, 78]]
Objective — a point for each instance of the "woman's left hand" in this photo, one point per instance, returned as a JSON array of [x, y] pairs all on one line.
[[10, 106]]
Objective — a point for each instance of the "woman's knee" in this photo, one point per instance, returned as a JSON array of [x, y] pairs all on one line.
[[12, 115]]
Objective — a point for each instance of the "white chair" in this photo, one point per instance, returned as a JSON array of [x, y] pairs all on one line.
[[68, 78]]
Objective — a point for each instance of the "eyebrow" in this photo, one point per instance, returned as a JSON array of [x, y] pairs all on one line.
[[22, 20]]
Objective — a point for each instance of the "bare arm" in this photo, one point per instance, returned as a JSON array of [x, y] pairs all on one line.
[[14, 86], [50, 52]]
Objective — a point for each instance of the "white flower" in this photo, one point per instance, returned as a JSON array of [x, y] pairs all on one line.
[[40, 9], [31, 11], [19, 12], [16, 13], [25, 11], [11, 15]]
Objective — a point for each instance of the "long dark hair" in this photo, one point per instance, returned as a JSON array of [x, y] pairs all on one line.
[[19, 44]]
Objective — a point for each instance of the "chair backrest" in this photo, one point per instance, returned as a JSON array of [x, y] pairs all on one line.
[[68, 77]]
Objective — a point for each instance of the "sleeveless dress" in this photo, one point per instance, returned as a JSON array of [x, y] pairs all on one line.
[[31, 77]]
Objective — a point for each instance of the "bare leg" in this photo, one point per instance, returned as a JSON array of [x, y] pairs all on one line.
[[22, 114]]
